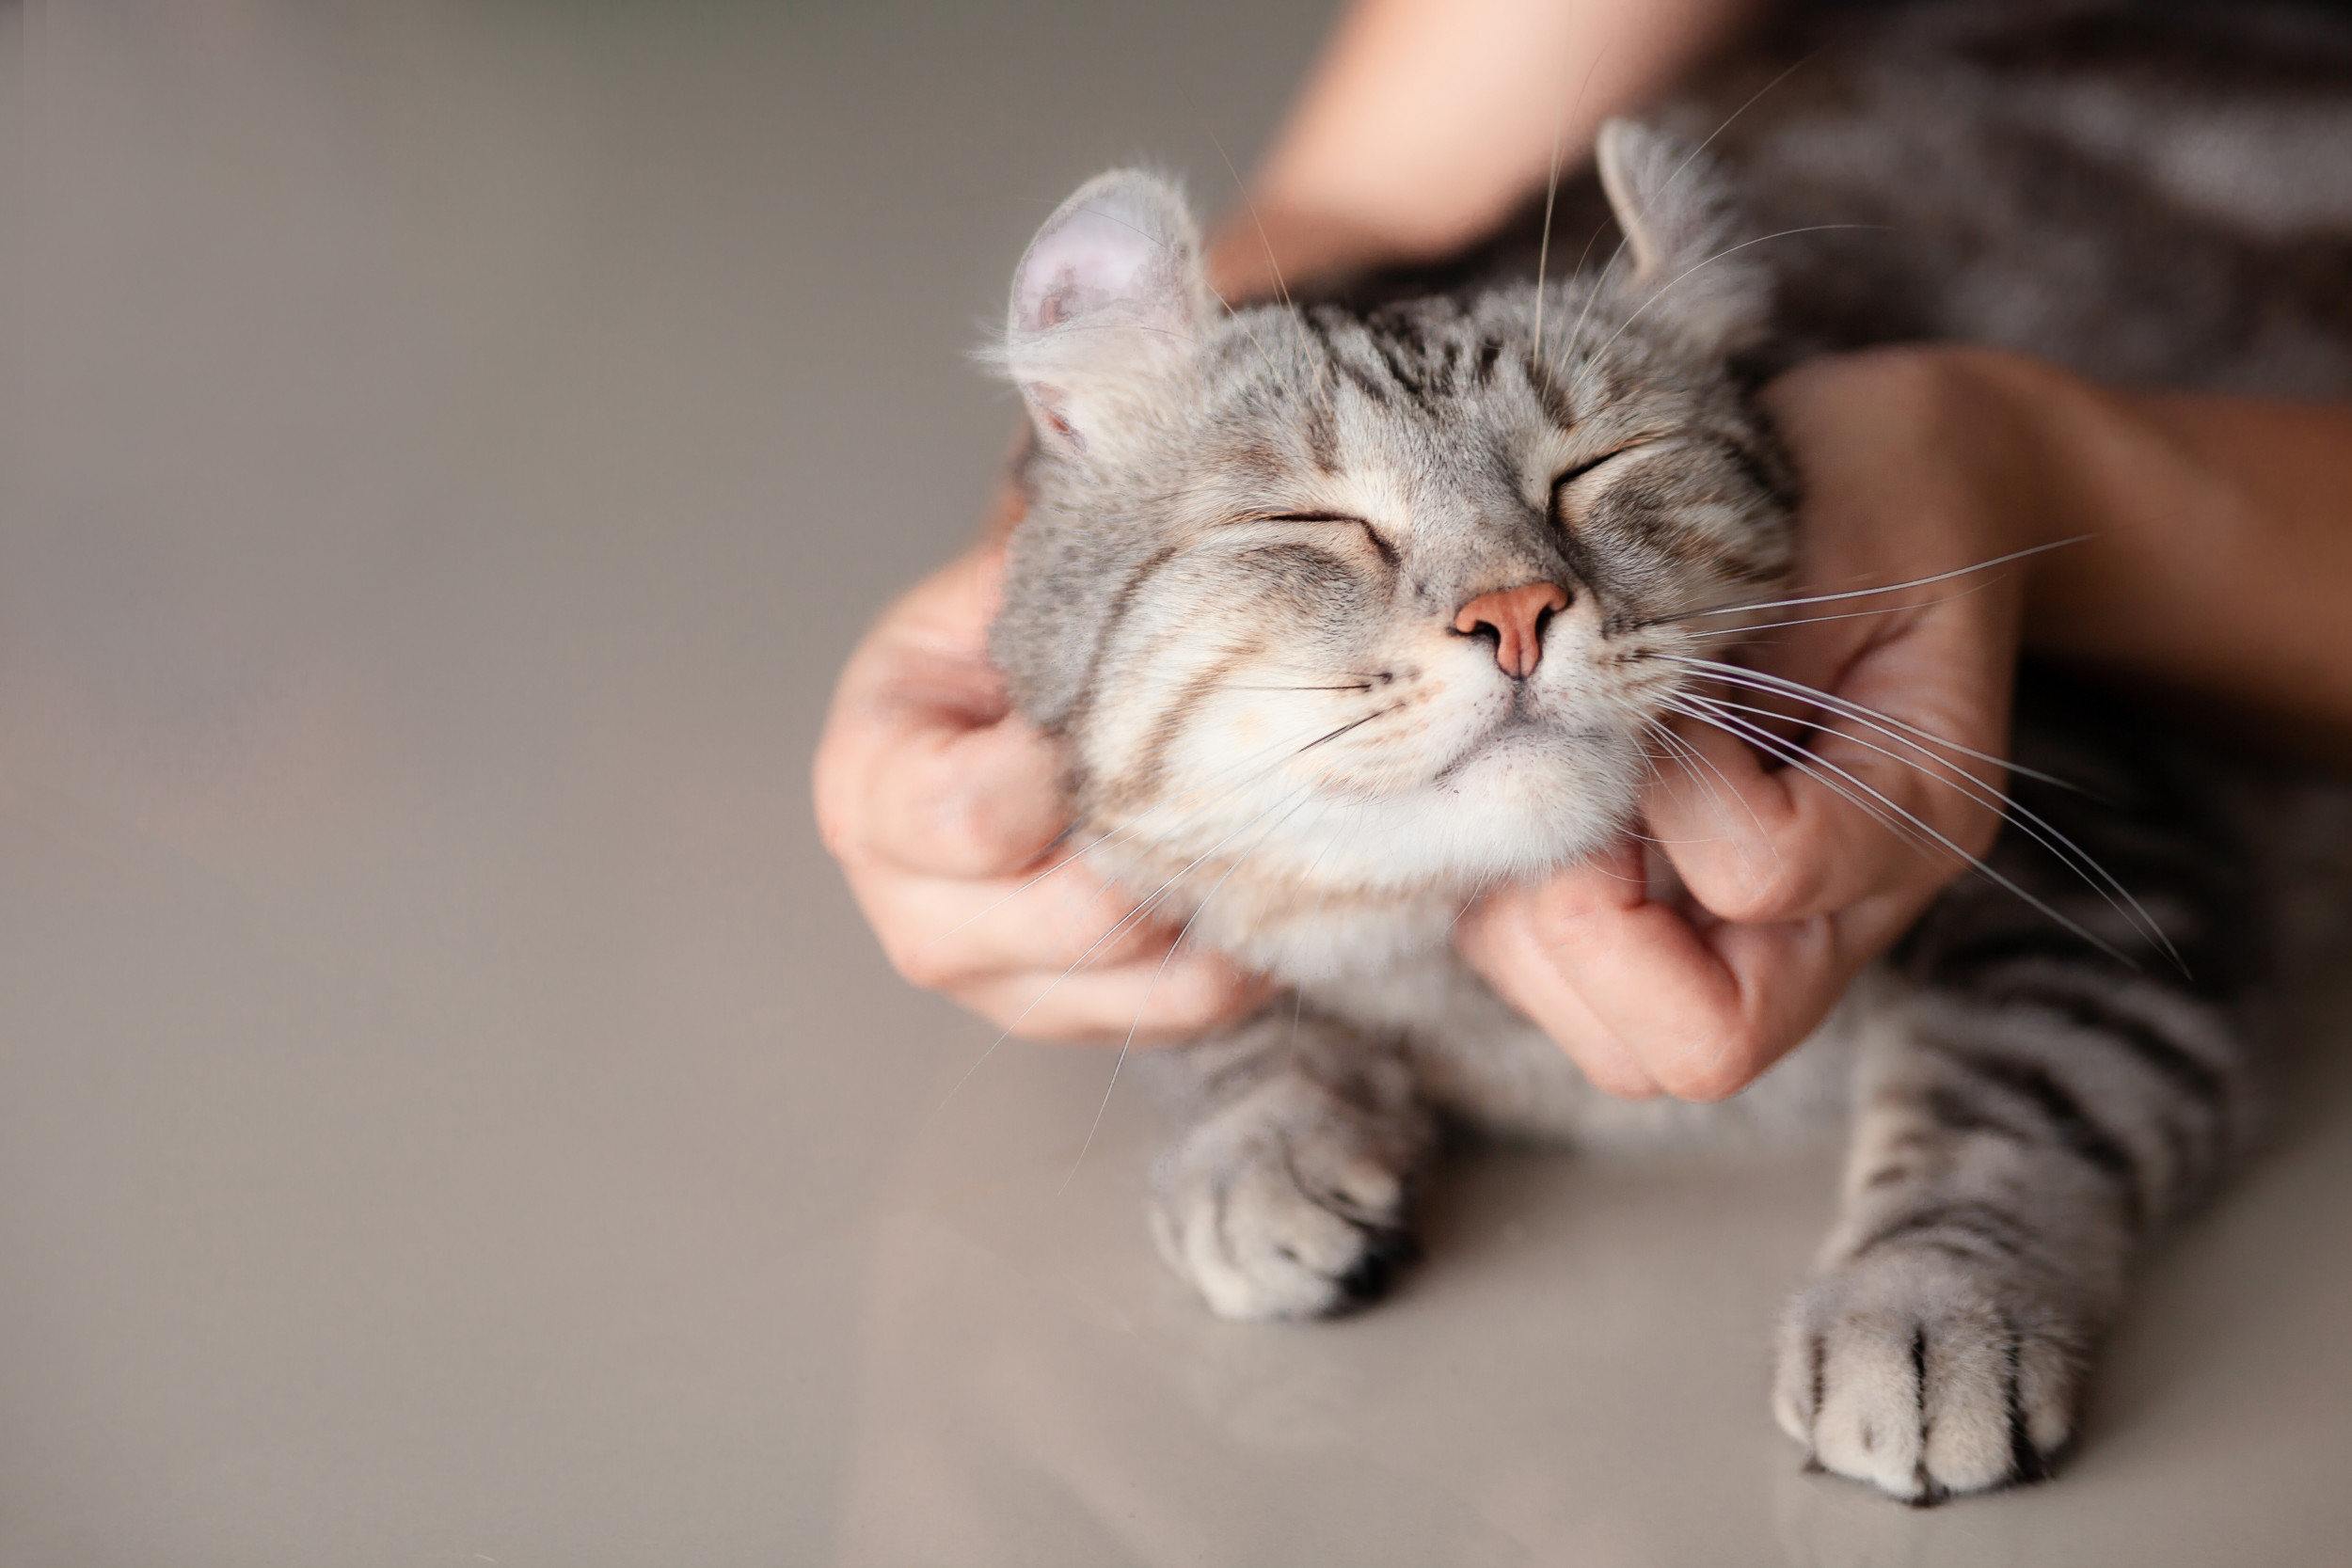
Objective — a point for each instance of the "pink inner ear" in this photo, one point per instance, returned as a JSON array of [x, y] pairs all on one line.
[[1095, 257]]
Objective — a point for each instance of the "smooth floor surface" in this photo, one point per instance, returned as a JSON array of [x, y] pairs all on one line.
[[450, 1110]]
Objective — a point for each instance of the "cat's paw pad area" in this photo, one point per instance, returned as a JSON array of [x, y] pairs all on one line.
[[1289, 1205], [1928, 1376]]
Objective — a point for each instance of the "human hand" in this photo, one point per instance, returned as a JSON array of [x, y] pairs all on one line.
[[944, 808], [1915, 463]]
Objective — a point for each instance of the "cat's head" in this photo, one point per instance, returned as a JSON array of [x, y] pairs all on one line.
[[1376, 604]]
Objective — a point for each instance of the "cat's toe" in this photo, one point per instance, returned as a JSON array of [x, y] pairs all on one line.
[[1926, 1376], [1297, 1218]]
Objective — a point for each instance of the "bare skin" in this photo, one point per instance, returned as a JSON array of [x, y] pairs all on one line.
[[1426, 122], [2219, 564]]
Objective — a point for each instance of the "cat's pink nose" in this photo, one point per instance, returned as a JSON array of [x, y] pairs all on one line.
[[1516, 617]]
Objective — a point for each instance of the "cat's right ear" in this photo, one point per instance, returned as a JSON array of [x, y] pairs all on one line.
[[1105, 307], [1692, 274]]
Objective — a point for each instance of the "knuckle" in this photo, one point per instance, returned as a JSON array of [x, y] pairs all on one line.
[[977, 830], [841, 837], [922, 963], [836, 813], [1749, 893], [1708, 1083], [1717, 1072]]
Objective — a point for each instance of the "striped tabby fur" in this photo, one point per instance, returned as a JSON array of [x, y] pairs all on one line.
[[1236, 595]]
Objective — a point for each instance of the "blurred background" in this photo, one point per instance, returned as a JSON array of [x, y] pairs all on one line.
[[450, 1109]]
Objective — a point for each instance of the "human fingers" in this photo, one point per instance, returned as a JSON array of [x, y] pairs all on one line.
[[1694, 1014], [947, 933], [1506, 939], [1059, 954], [923, 765], [1646, 998], [976, 801], [1766, 820], [1145, 1002]]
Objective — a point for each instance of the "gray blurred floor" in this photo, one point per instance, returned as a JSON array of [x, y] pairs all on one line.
[[449, 1110]]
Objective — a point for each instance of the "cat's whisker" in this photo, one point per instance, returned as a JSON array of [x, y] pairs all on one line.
[[2031, 823], [1886, 724], [1593, 292], [1551, 197], [1865, 592], [1746, 628], [2069, 854], [2026, 820], [1249, 332], [1466, 906], [1592, 359], [1353, 724], [1135, 823], [1626, 238], [1819, 768], [1681, 747], [1805, 761], [1170, 332], [1281, 289], [1753, 99]]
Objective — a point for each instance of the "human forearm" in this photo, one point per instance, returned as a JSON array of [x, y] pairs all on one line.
[[2202, 542], [1426, 120], [2221, 561]]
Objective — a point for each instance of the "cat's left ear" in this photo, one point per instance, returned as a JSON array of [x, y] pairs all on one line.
[[1691, 273], [1105, 307]]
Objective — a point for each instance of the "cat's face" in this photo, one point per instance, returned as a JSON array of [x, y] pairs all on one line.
[[1372, 606]]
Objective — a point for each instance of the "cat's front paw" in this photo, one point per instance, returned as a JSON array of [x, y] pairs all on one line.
[[1928, 1375], [1290, 1202]]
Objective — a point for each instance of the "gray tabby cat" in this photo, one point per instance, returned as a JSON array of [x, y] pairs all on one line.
[[1349, 613]]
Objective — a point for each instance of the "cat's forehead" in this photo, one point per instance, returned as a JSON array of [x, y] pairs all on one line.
[[1411, 402]]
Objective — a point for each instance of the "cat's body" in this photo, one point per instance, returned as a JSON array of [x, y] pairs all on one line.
[[1347, 613]]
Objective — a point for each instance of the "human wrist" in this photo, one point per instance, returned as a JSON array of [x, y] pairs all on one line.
[[1996, 433], [2128, 508], [1917, 461]]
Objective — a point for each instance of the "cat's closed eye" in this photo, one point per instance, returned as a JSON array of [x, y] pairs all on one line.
[[1378, 541], [1570, 476]]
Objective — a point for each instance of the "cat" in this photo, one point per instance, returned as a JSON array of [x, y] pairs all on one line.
[[1348, 610]]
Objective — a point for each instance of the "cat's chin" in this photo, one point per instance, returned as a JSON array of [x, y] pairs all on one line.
[[1527, 802]]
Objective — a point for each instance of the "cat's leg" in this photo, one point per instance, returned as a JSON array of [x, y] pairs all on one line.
[[2010, 1152], [2028, 1109], [1284, 1196]]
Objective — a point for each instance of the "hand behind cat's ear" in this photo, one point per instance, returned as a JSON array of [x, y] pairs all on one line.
[[1689, 270], [1104, 306]]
